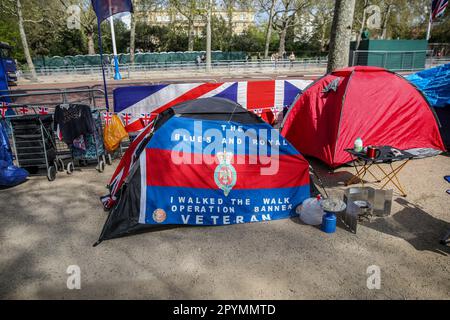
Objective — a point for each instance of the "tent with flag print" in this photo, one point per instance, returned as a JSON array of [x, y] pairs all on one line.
[[205, 162], [137, 105]]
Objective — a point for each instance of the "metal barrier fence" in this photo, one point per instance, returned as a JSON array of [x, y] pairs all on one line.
[[43, 102], [392, 60], [51, 97], [127, 69]]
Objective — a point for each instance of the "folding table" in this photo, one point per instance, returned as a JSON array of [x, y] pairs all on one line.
[[388, 155]]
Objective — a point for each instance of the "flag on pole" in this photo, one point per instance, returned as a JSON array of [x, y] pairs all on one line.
[[106, 8], [438, 8]]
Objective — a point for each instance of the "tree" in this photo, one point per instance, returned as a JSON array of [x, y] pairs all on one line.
[[268, 6], [192, 10], [361, 8], [286, 17], [138, 7], [388, 4], [88, 20], [322, 14], [208, 36], [341, 34], [14, 7]]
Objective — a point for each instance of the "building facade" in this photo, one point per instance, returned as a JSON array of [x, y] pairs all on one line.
[[240, 19]]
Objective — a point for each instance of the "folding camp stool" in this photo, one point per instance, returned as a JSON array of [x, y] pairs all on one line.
[[386, 157]]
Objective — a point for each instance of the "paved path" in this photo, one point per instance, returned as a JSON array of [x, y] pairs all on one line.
[[45, 227]]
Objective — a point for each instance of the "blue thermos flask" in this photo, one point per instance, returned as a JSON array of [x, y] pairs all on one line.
[[329, 222]]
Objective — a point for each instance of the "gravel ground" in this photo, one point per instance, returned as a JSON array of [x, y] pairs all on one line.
[[45, 227]]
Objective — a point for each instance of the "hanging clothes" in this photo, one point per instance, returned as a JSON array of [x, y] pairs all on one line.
[[93, 142], [73, 120]]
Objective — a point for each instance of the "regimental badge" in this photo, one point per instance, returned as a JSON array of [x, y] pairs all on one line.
[[159, 215], [225, 174]]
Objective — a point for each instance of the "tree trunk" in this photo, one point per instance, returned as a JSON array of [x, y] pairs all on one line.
[[191, 35], [322, 37], [208, 37], [341, 31], [385, 21], [282, 45], [230, 27], [132, 37], [23, 37], [269, 30], [363, 22], [91, 47]]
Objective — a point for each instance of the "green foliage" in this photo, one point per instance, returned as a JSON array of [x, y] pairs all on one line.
[[9, 33], [50, 35]]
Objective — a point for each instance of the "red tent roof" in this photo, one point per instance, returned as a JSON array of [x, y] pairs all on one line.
[[375, 104]]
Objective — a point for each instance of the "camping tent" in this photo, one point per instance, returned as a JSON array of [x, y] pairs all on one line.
[[205, 162], [375, 104], [435, 84]]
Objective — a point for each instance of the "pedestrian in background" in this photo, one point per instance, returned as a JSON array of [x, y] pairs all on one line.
[[292, 59]]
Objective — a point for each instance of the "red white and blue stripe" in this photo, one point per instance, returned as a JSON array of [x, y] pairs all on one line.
[[143, 102], [188, 193]]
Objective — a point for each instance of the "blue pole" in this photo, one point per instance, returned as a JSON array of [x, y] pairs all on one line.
[[101, 60], [117, 75]]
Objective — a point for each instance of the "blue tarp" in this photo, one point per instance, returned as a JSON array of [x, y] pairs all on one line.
[[10, 175], [435, 84]]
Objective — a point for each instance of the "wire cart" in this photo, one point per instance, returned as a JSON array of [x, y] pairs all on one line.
[[95, 150], [34, 144]]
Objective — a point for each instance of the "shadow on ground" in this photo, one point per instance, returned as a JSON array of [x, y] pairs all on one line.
[[415, 226]]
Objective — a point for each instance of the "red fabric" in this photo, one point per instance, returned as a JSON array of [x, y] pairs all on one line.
[[267, 116], [378, 106], [201, 175], [260, 94]]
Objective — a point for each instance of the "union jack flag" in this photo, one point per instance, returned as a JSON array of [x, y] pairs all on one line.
[[23, 110], [107, 117], [43, 110], [438, 8], [3, 109], [126, 117], [146, 118], [142, 101]]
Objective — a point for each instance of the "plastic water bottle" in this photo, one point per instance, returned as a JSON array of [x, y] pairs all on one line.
[[329, 222], [358, 146]]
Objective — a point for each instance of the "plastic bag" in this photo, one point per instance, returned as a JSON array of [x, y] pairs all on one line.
[[113, 133], [311, 212], [11, 175]]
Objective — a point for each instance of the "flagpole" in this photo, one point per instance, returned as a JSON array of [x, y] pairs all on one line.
[[101, 62], [117, 75]]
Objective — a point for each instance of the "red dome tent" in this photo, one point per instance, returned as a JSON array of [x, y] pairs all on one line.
[[375, 104]]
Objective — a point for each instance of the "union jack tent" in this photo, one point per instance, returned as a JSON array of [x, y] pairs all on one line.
[[138, 105], [205, 162]]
